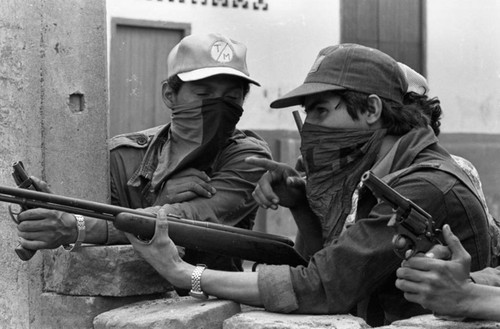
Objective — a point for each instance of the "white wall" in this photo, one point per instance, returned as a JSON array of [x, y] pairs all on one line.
[[463, 59], [282, 42], [463, 51]]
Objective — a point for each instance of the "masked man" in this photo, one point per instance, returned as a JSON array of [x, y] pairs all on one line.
[[194, 166], [355, 121]]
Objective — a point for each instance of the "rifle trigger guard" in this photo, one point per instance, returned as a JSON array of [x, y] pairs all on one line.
[[13, 214]]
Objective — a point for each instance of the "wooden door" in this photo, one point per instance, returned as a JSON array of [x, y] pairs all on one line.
[[396, 27], [138, 65]]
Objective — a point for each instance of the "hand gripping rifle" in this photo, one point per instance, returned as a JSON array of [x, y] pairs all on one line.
[[198, 235], [22, 181], [409, 220]]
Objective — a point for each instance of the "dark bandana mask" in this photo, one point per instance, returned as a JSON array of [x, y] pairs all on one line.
[[334, 161], [198, 131]]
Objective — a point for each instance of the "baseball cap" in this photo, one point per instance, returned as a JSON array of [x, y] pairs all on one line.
[[350, 67], [416, 82], [201, 56]]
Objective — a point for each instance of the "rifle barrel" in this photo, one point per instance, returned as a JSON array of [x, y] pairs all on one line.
[[108, 212]]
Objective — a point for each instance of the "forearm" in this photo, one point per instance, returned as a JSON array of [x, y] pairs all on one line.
[[240, 287], [96, 231], [481, 302]]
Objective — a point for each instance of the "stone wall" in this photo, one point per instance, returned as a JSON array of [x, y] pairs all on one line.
[[53, 117], [189, 313]]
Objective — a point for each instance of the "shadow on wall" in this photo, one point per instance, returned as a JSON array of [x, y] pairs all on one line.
[[481, 149]]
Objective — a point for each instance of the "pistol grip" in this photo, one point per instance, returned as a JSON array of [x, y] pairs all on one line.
[[23, 253]]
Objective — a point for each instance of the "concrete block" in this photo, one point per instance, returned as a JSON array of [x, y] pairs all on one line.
[[431, 322], [263, 319], [62, 312], [102, 271], [178, 313]]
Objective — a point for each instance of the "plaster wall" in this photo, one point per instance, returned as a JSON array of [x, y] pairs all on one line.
[[463, 63], [20, 132], [461, 41]]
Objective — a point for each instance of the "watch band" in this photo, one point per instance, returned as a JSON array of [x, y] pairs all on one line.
[[80, 225], [196, 290]]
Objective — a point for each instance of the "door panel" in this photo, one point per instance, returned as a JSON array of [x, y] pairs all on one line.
[[396, 27], [138, 65]]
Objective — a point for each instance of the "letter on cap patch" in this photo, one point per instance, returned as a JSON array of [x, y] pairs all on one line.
[[222, 52], [316, 64]]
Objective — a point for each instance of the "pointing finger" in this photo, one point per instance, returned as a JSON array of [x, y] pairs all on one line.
[[263, 163]]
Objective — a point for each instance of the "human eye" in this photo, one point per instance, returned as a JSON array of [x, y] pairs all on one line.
[[321, 111], [316, 113], [235, 94], [202, 92], [199, 89]]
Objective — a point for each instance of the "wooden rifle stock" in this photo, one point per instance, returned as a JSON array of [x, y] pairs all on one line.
[[200, 235]]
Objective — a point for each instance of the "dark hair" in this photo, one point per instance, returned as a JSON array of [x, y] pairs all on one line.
[[175, 84], [430, 106], [416, 111]]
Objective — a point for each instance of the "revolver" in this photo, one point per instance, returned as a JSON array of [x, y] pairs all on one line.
[[410, 221]]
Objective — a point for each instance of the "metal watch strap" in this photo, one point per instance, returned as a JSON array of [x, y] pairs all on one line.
[[80, 225], [196, 290]]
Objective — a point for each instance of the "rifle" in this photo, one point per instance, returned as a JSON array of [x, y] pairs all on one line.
[[199, 235], [410, 221]]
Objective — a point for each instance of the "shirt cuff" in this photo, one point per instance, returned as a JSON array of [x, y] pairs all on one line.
[[276, 289]]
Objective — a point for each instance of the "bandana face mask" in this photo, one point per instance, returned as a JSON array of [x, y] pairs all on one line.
[[198, 131], [334, 161]]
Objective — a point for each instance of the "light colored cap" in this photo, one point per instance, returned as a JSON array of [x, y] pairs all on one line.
[[416, 82], [198, 57]]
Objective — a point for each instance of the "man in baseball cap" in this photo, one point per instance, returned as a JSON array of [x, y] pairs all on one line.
[[357, 120], [192, 167]]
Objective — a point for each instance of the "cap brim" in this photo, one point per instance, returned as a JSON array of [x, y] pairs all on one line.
[[296, 96], [211, 71]]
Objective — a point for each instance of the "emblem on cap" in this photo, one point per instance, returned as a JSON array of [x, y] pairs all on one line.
[[222, 52], [317, 63]]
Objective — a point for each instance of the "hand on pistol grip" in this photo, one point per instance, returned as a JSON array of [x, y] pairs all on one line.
[[403, 246], [23, 180]]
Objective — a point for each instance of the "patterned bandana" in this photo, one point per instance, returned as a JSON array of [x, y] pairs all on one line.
[[334, 160], [198, 131]]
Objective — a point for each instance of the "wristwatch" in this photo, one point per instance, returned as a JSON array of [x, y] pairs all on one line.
[[80, 225], [196, 290]]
